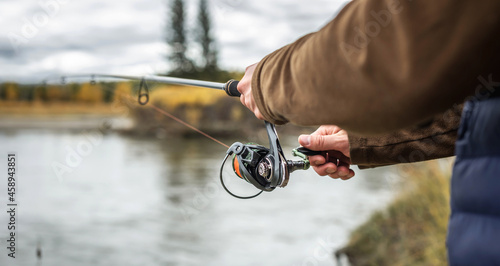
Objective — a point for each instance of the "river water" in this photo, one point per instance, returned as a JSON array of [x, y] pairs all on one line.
[[90, 199]]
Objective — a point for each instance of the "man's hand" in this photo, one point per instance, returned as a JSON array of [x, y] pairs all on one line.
[[245, 88], [329, 138]]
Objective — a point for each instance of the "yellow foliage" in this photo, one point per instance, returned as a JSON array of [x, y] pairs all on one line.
[[193, 115], [12, 91], [174, 96], [123, 90], [54, 92], [38, 92], [236, 113], [90, 93]]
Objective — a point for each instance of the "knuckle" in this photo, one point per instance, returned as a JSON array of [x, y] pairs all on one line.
[[316, 160], [319, 171], [248, 103], [319, 141]]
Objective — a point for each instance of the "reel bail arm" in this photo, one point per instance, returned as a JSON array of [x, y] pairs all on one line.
[[265, 168]]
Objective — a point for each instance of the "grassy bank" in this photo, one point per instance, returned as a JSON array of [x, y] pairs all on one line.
[[41, 109], [412, 230], [211, 111]]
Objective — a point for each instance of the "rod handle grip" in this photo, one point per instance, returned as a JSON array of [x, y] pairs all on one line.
[[231, 88], [308, 152], [335, 157]]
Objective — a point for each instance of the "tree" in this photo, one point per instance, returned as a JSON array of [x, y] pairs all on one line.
[[176, 39], [3, 91], [11, 91], [206, 41], [109, 91]]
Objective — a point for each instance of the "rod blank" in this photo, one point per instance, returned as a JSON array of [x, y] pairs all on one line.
[[230, 87]]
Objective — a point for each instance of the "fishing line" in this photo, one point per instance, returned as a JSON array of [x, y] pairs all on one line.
[[143, 93], [186, 124], [264, 168], [143, 99]]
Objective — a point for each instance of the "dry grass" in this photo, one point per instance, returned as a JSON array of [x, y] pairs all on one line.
[[412, 230]]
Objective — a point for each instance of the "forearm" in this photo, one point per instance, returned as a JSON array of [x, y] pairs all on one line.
[[433, 141], [427, 56]]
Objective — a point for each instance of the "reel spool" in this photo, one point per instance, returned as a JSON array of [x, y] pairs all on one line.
[[265, 168]]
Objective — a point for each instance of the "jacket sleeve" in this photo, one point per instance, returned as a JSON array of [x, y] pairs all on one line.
[[433, 140], [382, 65]]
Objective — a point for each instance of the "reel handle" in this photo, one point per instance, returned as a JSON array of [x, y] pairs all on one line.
[[308, 152], [335, 157], [231, 88]]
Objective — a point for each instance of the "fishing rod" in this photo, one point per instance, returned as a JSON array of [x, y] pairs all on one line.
[[230, 87], [264, 168]]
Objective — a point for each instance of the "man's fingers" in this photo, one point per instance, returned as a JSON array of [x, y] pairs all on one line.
[[330, 169], [325, 169], [349, 176], [335, 144], [245, 89], [241, 87], [242, 99], [342, 171], [322, 142], [326, 130], [258, 114], [250, 104], [305, 140], [317, 160]]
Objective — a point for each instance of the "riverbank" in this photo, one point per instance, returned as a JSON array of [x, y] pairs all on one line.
[[44, 109], [64, 116], [412, 229], [218, 116]]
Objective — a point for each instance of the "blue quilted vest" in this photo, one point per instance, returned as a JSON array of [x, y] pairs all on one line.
[[474, 226]]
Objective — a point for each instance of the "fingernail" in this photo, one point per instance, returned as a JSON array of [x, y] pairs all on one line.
[[330, 171], [305, 139], [316, 162]]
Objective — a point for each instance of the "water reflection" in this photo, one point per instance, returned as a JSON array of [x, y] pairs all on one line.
[[144, 201]]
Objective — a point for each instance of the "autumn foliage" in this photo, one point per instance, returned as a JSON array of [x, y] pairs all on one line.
[[207, 109]]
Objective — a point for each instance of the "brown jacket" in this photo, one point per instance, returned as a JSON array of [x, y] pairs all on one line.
[[433, 140], [384, 66]]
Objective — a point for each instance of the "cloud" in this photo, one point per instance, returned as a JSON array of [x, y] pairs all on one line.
[[128, 37]]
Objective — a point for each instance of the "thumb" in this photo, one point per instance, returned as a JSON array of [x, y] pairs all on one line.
[[319, 142], [305, 140]]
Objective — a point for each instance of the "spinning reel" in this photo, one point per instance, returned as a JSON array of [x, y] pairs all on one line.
[[265, 168]]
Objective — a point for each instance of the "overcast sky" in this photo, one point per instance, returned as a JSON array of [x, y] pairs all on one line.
[[41, 38]]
